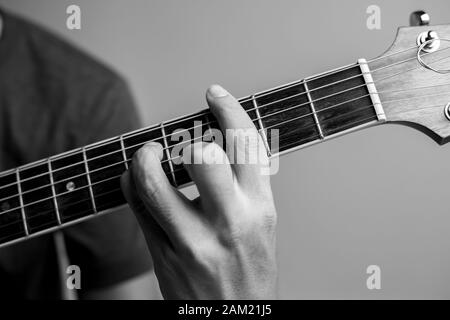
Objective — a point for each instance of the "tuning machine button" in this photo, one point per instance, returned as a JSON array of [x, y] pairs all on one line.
[[419, 18]]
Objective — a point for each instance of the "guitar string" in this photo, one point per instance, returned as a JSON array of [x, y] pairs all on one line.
[[76, 152], [348, 126], [360, 121], [191, 140], [213, 121], [117, 189], [201, 113], [90, 211], [114, 190], [60, 208], [153, 128], [207, 112], [327, 73], [121, 162], [169, 172], [196, 115], [174, 171]]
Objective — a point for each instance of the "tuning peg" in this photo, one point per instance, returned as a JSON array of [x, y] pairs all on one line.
[[419, 18]]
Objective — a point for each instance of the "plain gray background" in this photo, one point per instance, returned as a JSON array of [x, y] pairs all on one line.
[[379, 196]]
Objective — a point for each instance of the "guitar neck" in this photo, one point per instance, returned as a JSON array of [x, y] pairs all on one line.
[[82, 183]]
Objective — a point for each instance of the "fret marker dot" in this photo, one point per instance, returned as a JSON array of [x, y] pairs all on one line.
[[5, 206], [70, 186]]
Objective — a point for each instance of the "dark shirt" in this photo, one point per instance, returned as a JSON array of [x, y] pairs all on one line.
[[54, 98]]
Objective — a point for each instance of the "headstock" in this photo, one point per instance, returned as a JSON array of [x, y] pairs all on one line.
[[411, 93]]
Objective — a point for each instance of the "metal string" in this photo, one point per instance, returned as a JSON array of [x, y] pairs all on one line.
[[188, 141], [142, 131]]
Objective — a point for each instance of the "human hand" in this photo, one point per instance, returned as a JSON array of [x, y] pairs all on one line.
[[222, 244]]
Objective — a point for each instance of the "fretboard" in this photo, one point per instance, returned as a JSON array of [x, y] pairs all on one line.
[[82, 183]]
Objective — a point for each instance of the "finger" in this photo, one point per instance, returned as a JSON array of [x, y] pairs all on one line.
[[245, 147], [167, 206], [208, 166], [155, 236], [227, 109]]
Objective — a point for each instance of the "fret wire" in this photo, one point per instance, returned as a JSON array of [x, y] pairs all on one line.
[[323, 109], [24, 220], [52, 184], [261, 126], [68, 192], [152, 128], [332, 72], [262, 117], [88, 178], [287, 86], [167, 151], [336, 117], [268, 92], [122, 146], [261, 95], [325, 74], [313, 109], [47, 211], [111, 178], [141, 144], [208, 123], [303, 93], [345, 114], [114, 190], [22, 207], [316, 141], [265, 116]]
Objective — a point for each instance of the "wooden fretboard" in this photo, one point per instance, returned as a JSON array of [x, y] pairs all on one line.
[[82, 183]]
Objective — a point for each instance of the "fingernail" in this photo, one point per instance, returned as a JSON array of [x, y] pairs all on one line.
[[155, 148], [153, 144], [217, 91]]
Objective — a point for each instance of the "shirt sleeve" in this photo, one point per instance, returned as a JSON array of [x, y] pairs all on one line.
[[111, 248]]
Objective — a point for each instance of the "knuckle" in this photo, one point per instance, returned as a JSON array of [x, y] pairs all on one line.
[[259, 215], [235, 227]]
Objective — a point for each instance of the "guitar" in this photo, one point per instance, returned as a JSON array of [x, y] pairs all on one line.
[[408, 84]]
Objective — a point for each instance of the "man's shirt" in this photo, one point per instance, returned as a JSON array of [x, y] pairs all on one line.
[[54, 98]]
